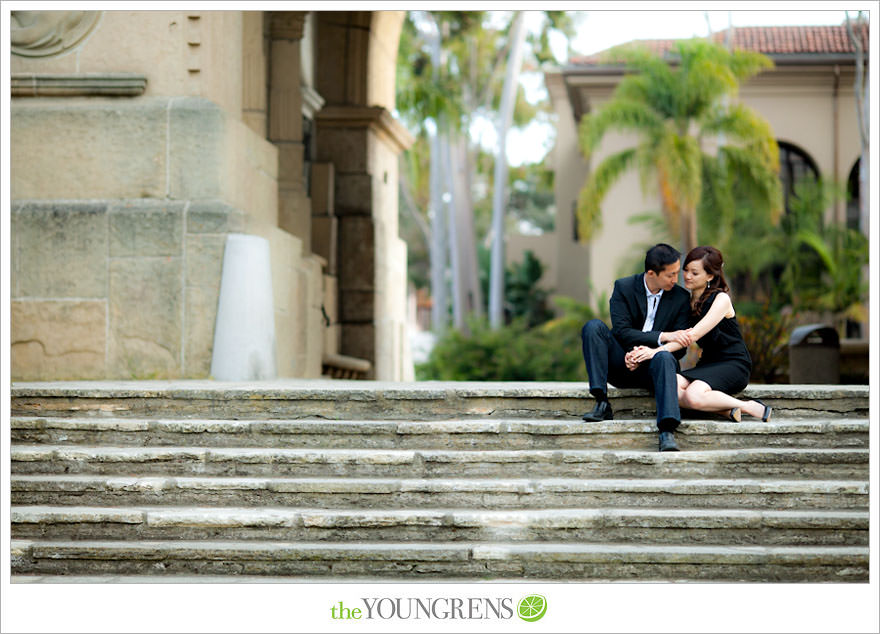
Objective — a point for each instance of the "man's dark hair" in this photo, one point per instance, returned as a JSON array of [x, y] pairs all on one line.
[[660, 256]]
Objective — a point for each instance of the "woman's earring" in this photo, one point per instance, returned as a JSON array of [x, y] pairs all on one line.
[[707, 285]]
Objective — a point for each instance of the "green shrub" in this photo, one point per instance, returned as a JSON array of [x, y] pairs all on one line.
[[512, 353], [766, 335], [516, 352]]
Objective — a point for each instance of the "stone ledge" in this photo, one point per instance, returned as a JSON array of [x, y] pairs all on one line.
[[396, 457], [560, 427], [678, 486], [78, 85], [546, 518], [450, 552], [322, 388], [368, 400]]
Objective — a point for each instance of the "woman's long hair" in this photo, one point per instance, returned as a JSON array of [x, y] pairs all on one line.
[[713, 263]]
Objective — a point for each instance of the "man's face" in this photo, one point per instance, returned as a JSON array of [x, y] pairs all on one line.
[[665, 279]]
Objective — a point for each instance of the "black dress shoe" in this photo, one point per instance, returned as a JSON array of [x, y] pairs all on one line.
[[667, 441], [768, 411], [602, 411]]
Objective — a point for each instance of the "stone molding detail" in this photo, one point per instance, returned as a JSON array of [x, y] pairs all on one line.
[[287, 25], [312, 102], [376, 118], [47, 33], [78, 85]]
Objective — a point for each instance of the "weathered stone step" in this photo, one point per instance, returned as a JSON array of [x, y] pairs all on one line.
[[642, 526], [402, 560], [453, 434], [390, 493], [373, 400], [250, 579], [586, 463]]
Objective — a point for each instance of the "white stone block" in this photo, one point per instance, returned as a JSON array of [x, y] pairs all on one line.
[[244, 338]]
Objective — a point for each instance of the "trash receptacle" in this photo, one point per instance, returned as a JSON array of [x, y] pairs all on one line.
[[814, 355]]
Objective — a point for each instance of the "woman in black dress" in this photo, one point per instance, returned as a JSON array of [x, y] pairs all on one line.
[[725, 365]]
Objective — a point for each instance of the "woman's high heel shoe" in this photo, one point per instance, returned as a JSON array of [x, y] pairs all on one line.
[[735, 415], [768, 411]]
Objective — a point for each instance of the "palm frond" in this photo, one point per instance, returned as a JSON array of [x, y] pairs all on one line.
[[746, 64], [754, 180], [589, 213], [815, 242], [680, 162], [616, 115], [747, 126]]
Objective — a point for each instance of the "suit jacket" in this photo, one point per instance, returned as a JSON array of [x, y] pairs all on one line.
[[629, 307]]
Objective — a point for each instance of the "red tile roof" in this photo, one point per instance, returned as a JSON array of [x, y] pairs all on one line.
[[770, 40]]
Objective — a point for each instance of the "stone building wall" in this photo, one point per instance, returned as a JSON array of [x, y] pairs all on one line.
[[138, 143]]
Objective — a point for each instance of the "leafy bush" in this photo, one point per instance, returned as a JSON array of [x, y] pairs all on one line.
[[512, 353], [523, 297], [516, 352], [766, 336]]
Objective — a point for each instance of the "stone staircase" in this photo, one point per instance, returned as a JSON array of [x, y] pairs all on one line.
[[346, 480]]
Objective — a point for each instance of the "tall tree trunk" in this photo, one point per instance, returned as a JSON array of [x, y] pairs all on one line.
[[864, 163], [451, 203], [691, 229], [439, 248], [439, 242], [464, 204], [862, 92], [410, 205], [499, 200]]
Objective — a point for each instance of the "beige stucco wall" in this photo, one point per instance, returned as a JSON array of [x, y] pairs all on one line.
[[544, 248], [570, 273], [810, 124]]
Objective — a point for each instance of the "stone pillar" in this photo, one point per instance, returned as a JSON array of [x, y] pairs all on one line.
[[254, 71], [286, 123], [363, 144]]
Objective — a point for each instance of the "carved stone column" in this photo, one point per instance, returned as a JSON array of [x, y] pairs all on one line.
[[363, 144], [286, 123]]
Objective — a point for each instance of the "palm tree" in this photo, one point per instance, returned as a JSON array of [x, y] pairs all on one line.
[[676, 109]]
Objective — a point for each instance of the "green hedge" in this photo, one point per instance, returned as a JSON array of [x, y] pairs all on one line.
[[511, 353]]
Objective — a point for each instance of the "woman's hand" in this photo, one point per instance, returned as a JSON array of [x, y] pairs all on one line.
[[684, 338]]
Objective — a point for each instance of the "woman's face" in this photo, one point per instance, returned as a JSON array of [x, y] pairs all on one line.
[[695, 276]]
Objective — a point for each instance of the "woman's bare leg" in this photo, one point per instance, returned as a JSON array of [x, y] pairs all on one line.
[[682, 389], [684, 400], [702, 397]]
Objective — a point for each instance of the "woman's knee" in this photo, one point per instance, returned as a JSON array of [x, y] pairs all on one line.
[[695, 395]]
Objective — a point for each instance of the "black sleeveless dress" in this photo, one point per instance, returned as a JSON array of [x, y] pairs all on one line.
[[725, 363]]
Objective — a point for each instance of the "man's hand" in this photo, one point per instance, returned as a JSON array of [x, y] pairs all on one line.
[[640, 354], [631, 364], [684, 338]]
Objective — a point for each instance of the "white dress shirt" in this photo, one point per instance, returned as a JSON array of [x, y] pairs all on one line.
[[653, 302]]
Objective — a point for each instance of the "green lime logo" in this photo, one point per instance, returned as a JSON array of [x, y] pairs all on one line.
[[532, 607]]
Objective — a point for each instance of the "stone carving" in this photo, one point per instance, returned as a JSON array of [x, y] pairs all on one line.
[[46, 33]]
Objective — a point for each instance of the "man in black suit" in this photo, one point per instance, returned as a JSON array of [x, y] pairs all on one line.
[[647, 309]]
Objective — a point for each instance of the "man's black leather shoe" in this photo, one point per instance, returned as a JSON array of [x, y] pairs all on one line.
[[602, 411], [667, 441]]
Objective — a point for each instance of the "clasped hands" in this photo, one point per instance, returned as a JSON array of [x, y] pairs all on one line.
[[640, 354]]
